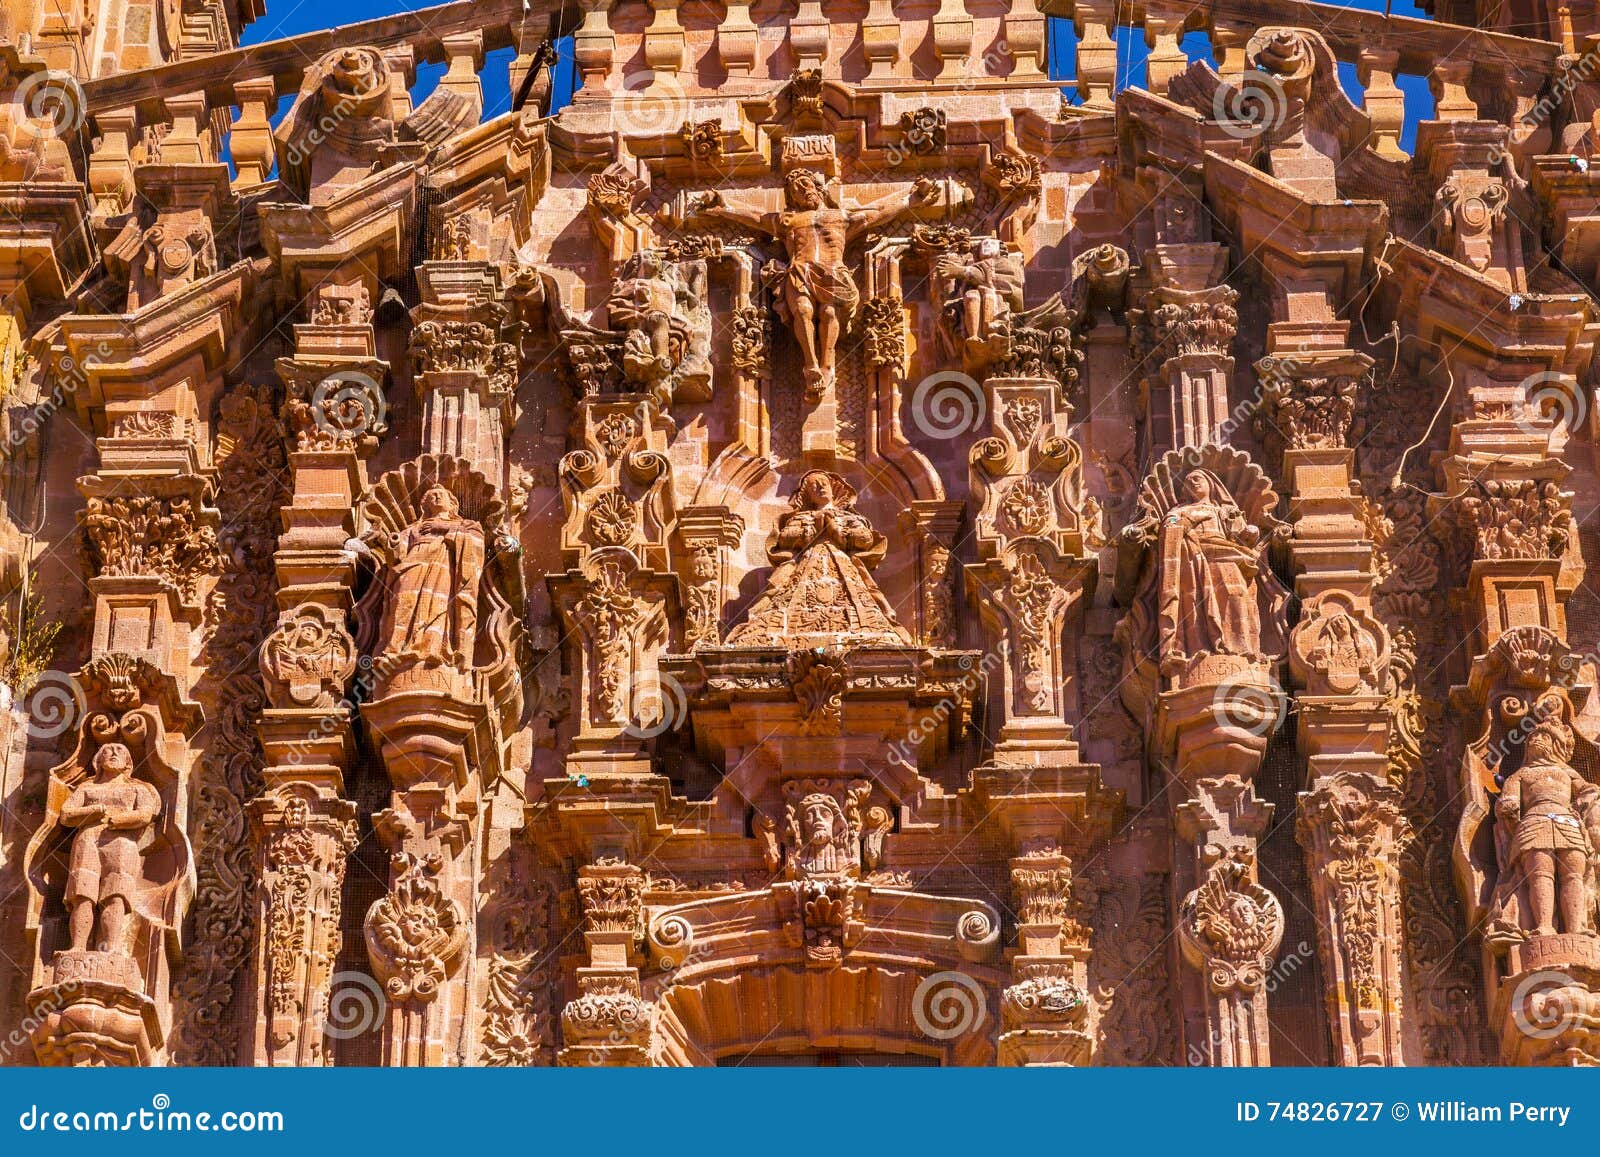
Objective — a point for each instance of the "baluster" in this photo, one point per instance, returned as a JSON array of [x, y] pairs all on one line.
[[185, 145], [593, 45], [251, 140], [1448, 80], [1025, 38], [1163, 28], [1228, 42], [737, 39], [808, 35], [664, 40], [1384, 102], [952, 39], [111, 163], [465, 54], [1097, 53], [880, 40]]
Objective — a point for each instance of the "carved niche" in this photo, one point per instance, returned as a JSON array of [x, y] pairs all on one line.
[[1530, 826], [440, 614], [111, 871], [1204, 604]]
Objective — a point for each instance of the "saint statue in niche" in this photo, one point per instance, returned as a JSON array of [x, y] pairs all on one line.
[[1548, 818], [1210, 548], [432, 609], [115, 816], [822, 590]]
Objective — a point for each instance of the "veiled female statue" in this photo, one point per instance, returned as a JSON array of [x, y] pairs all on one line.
[[431, 614], [1211, 560], [822, 588]]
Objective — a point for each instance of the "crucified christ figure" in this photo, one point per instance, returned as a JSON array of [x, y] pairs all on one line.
[[819, 294]]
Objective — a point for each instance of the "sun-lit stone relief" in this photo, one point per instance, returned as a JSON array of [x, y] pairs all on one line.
[[822, 544]]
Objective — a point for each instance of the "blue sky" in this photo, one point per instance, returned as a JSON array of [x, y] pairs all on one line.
[[291, 17]]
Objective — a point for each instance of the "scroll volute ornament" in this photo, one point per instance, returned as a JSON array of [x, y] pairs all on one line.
[[341, 127]]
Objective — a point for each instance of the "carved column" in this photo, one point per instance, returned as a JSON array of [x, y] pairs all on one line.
[[1031, 584], [303, 828], [618, 588], [609, 1024], [304, 835], [1203, 641], [1044, 1014], [1191, 324], [708, 534]]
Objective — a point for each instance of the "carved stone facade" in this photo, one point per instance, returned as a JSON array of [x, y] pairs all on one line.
[[811, 549]]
